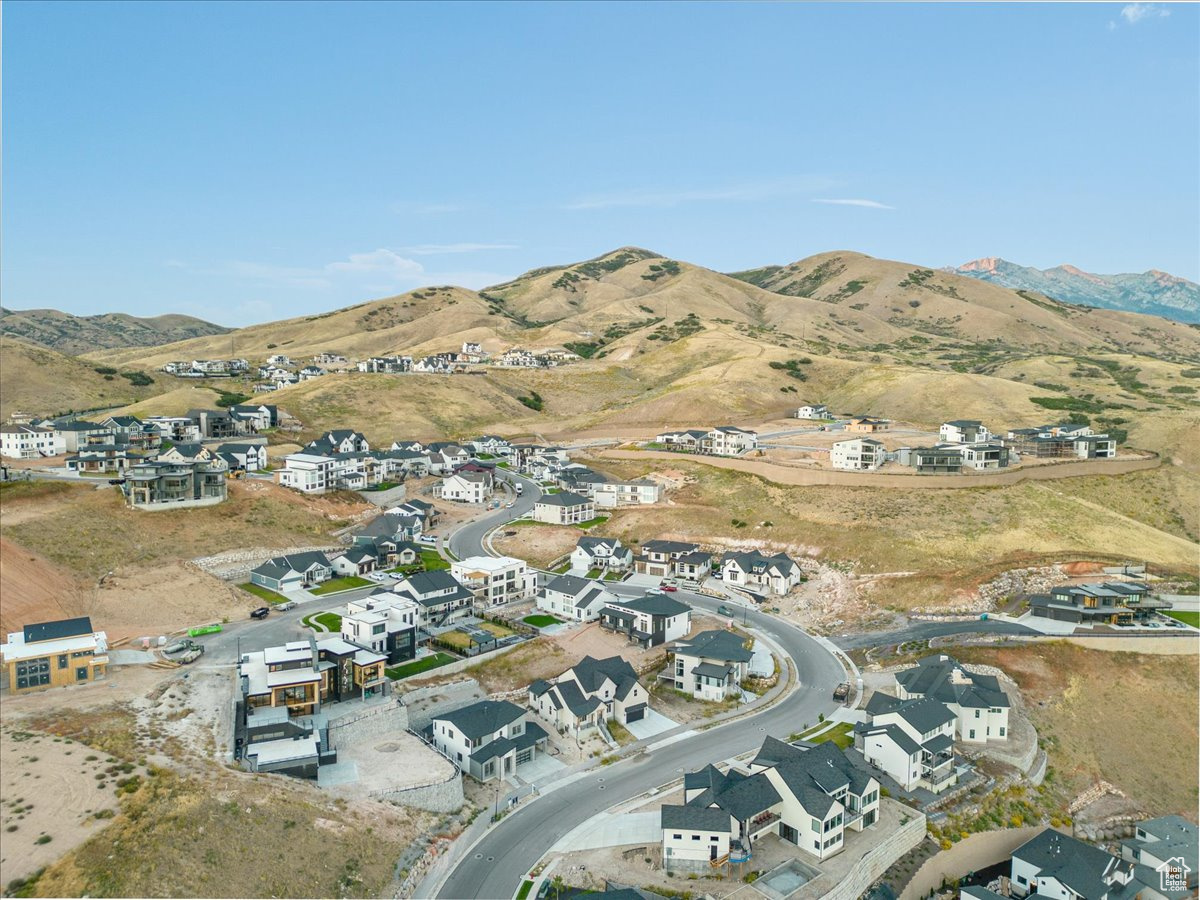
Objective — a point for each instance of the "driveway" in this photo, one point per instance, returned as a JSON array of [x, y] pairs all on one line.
[[654, 723], [541, 768]]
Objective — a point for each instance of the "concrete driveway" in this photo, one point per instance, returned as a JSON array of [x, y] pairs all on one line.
[[654, 723]]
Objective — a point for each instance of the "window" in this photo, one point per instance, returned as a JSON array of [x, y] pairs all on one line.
[[62, 661], [1001, 731], [695, 837], [1021, 880], [816, 845], [816, 826], [81, 673], [972, 734], [977, 714], [677, 837]]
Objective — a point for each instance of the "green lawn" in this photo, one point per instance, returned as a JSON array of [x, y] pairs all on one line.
[[620, 733], [1187, 618], [839, 734], [593, 573], [526, 887], [340, 584], [419, 665], [331, 621], [565, 567], [613, 576], [432, 561], [592, 523], [540, 620], [263, 593]]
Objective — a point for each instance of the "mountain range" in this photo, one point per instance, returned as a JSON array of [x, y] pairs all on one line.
[[1155, 292], [81, 334]]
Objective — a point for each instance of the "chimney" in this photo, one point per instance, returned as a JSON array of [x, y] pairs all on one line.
[[316, 656]]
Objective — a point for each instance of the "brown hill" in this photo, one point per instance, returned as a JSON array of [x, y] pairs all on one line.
[[80, 334]]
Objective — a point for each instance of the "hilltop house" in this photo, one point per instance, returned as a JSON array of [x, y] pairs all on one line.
[[257, 416], [964, 431], [340, 440], [101, 454], [911, 740], [977, 701], [29, 442], [308, 473], [986, 455], [858, 454], [660, 558], [302, 675], [689, 440], [490, 445], [806, 796], [649, 621], [813, 411], [246, 457], [944, 459], [710, 665], [385, 623], [386, 365], [159, 485], [489, 739], [590, 692], [54, 654], [1107, 603], [867, 425], [495, 580], [752, 570], [293, 571], [639, 492], [577, 599], [726, 440], [1061, 441], [1159, 842], [606, 554], [563, 508], [439, 596]]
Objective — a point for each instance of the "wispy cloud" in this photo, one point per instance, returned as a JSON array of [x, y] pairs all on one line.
[[375, 263], [866, 204], [442, 249], [646, 198], [1133, 13]]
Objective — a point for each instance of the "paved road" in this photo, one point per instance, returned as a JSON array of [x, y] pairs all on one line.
[[923, 631], [468, 540], [498, 863]]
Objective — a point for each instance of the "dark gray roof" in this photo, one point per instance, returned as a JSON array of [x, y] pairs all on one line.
[[1072, 862], [715, 644], [668, 547], [965, 423], [568, 584], [695, 818], [881, 703], [938, 743], [933, 677], [483, 718], [592, 672], [654, 605], [747, 797], [711, 670], [58, 629], [774, 751], [563, 498], [426, 582], [753, 561], [924, 715], [591, 543]]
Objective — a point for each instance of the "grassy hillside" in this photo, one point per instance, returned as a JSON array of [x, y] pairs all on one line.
[[41, 381], [80, 334]]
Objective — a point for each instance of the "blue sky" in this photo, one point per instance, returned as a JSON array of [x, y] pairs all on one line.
[[250, 162]]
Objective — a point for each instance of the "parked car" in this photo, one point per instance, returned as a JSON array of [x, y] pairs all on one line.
[[842, 691], [261, 613], [670, 588], [284, 607], [724, 611]]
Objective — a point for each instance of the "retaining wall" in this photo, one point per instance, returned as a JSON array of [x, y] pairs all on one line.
[[456, 695], [235, 565], [377, 722], [443, 796], [383, 499], [875, 864], [969, 855]]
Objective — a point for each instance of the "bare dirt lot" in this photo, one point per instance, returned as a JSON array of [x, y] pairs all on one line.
[[540, 545], [1142, 741]]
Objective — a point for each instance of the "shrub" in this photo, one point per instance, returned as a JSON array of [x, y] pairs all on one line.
[[105, 370], [533, 401], [138, 379]]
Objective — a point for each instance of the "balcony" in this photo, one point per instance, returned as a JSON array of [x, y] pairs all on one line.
[[761, 823]]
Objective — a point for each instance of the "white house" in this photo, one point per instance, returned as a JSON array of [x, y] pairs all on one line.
[[385, 623], [726, 440], [911, 740], [354, 561], [577, 599], [563, 508], [1164, 839], [1053, 864], [606, 554], [295, 570], [661, 557], [466, 487], [857, 454], [814, 411], [611, 494], [489, 739], [495, 580], [307, 472], [977, 701], [590, 692], [441, 599], [709, 665], [964, 431], [808, 797], [649, 621], [776, 574], [339, 440], [28, 442], [249, 457]]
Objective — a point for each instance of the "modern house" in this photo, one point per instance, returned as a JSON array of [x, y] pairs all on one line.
[[659, 557], [495, 580], [563, 508], [466, 487], [808, 797], [577, 599], [1053, 864], [440, 597], [944, 459], [911, 740], [55, 654], [590, 692], [302, 675], [307, 473], [639, 492], [867, 425], [247, 457], [385, 623], [1107, 603], [858, 454], [709, 665], [606, 554], [813, 411], [964, 431], [1061, 441], [29, 442], [652, 620], [986, 455], [978, 702], [726, 440], [758, 573], [167, 485], [689, 440], [489, 739], [293, 571]]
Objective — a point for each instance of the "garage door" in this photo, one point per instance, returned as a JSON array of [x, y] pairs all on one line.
[[635, 713], [524, 756]]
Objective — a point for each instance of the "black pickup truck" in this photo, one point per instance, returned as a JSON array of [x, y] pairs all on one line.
[[261, 613]]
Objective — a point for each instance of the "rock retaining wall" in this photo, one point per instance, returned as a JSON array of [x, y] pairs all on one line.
[[370, 724], [443, 796], [235, 565], [876, 862]]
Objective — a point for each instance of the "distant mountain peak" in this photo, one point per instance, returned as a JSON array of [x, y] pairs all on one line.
[[1155, 291]]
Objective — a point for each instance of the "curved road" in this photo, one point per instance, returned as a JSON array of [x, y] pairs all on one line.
[[499, 862], [468, 540]]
